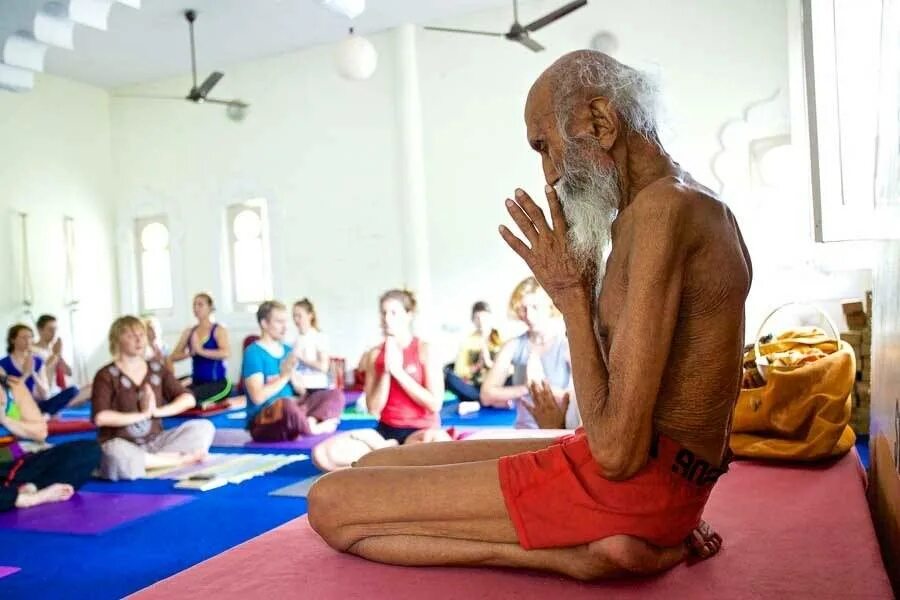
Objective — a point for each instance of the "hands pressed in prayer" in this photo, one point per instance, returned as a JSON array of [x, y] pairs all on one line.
[[57, 347], [549, 256], [549, 412], [393, 356], [148, 401], [288, 364]]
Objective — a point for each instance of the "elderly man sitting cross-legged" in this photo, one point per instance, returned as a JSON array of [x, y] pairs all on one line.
[[656, 353]]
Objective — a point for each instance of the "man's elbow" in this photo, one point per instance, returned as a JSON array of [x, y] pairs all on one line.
[[618, 464]]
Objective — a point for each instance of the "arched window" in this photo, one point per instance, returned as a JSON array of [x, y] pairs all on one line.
[[154, 259]]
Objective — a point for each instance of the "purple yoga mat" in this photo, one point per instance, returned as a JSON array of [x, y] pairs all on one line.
[[89, 513], [240, 438], [4, 571]]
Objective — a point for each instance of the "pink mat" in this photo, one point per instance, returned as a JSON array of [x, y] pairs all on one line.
[[89, 513], [240, 438], [790, 532], [4, 571]]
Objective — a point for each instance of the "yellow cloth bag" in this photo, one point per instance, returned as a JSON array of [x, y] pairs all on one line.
[[801, 413]]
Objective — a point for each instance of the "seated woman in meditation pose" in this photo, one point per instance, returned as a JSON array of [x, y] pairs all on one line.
[[131, 395], [49, 348], [207, 345], [23, 363], [404, 388], [51, 475], [311, 350], [540, 356], [476, 356], [279, 407], [656, 331]]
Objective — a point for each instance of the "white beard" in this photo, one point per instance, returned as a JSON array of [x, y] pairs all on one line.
[[590, 198]]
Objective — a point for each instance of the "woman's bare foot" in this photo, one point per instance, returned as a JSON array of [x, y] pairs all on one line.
[[192, 458], [57, 492], [317, 427], [27, 488]]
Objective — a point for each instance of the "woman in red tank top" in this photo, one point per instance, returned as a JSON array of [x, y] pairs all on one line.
[[404, 389]]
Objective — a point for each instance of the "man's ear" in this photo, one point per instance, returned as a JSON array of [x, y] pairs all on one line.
[[605, 122]]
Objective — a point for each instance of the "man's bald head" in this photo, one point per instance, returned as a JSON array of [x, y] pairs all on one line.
[[579, 77], [578, 110]]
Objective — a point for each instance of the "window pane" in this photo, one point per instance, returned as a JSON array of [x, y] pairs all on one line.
[[155, 236], [249, 271], [156, 279], [247, 225]]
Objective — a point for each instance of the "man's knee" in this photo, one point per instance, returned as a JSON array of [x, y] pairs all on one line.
[[325, 510]]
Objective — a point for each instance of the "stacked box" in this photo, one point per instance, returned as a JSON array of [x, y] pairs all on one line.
[[859, 337]]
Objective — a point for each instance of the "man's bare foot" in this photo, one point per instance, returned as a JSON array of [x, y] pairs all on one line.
[[703, 542], [623, 555], [57, 492], [28, 488]]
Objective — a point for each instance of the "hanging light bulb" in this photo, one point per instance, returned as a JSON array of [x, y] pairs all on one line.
[[356, 57]]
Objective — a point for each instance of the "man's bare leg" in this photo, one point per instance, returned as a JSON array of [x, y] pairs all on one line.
[[413, 516], [450, 453]]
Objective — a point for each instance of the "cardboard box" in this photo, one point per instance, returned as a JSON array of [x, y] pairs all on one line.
[[869, 303], [857, 320], [852, 307], [859, 420], [854, 338]]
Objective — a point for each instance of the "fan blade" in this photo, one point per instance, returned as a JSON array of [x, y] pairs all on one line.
[[528, 43], [239, 103], [209, 83], [451, 30], [148, 97], [556, 14]]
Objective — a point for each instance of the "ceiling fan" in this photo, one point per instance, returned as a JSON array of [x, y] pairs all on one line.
[[199, 94], [518, 32]]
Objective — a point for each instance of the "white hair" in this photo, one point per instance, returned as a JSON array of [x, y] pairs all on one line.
[[587, 73]]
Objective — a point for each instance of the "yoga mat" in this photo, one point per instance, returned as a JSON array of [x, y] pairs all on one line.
[[69, 426], [350, 397], [244, 467], [238, 416], [5, 571], [296, 490], [89, 513], [781, 527], [188, 470], [240, 438], [216, 409]]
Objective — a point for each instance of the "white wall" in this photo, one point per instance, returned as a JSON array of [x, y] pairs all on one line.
[[325, 153], [55, 161], [713, 59], [321, 150]]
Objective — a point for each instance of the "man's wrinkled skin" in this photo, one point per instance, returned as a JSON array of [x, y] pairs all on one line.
[[657, 351]]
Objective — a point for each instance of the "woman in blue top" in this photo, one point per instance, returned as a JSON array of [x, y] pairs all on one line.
[[30, 479], [23, 363], [207, 345], [279, 408]]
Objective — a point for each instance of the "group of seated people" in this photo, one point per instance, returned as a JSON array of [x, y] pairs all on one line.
[[289, 390]]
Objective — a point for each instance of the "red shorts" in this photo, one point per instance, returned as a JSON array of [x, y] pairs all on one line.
[[556, 497]]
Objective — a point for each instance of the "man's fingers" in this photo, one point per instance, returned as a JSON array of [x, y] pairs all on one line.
[[565, 402], [523, 220], [533, 211], [558, 217], [518, 246]]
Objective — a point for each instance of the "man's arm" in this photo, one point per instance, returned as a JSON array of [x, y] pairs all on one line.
[[617, 406]]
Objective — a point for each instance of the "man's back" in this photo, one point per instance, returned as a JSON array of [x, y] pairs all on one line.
[[701, 378]]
